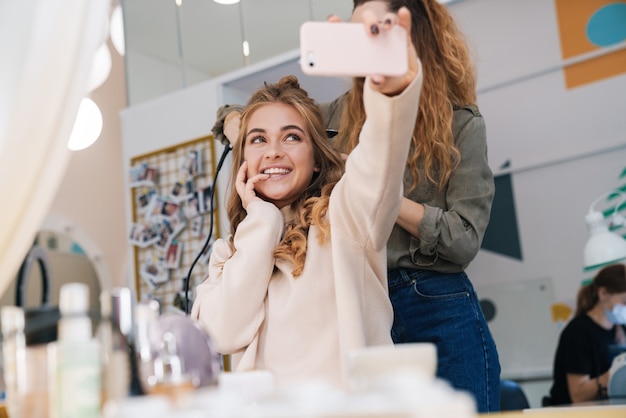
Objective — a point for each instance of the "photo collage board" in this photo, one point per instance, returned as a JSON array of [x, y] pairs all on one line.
[[171, 218]]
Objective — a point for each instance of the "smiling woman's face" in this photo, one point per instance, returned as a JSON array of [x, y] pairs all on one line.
[[277, 143]]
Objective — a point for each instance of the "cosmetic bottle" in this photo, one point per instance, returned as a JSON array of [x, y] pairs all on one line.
[[13, 352], [169, 378], [114, 334], [40, 333], [78, 368], [146, 316]]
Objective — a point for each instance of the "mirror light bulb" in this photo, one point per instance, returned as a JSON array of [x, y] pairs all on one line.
[[117, 30], [101, 67], [87, 127]]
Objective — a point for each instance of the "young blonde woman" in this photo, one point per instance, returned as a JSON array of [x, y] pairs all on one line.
[[302, 279]]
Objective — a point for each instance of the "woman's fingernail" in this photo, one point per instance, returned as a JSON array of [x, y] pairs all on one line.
[[374, 29]]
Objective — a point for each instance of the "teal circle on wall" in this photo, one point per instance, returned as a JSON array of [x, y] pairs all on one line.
[[607, 26]]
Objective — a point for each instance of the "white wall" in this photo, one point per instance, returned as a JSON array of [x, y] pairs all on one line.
[[531, 117], [563, 149]]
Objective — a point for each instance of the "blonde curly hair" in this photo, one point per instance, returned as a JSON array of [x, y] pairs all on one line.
[[311, 207]]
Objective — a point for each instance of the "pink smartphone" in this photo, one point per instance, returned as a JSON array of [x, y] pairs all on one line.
[[345, 49]]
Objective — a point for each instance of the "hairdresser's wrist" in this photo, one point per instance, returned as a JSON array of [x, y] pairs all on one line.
[[231, 126], [602, 383]]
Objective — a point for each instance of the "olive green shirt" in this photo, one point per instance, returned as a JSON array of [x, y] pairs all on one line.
[[456, 217]]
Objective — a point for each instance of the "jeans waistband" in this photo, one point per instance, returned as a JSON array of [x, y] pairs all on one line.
[[407, 277]]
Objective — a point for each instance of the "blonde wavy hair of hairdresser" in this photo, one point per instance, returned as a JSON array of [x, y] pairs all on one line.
[[449, 79], [311, 207]]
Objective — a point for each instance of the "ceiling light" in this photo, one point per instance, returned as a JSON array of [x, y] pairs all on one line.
[[226, 1]]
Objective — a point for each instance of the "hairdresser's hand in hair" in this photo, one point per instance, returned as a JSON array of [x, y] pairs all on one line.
[[245, 185], [374, 25], [231, 126]]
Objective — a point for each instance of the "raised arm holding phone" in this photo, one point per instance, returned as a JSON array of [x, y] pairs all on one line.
[[301, 281]]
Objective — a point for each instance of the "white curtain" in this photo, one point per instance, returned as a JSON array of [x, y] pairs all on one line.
[[46, 52]]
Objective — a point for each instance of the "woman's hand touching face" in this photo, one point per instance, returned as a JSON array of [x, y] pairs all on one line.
[[245, 186]]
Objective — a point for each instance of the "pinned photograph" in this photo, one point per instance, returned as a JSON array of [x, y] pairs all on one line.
[[173, 255], [192, 165], [154, 272], [192, 206], [150, 176], [169, 209], [143, 197], [197, 224], [154, 210], [182, 190], [165, 234], [142, 175], [177, 222], [143, 235], [206, 199]]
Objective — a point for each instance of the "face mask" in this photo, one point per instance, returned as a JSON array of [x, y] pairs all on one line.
[[617, 315]]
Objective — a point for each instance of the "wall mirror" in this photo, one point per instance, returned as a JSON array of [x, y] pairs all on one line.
[[173, 44], [71, 257]]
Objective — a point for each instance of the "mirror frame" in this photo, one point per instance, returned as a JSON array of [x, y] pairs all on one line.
[[92, 251]]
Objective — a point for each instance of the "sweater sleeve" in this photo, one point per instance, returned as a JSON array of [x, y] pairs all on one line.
[[366, 202], [231, 301]]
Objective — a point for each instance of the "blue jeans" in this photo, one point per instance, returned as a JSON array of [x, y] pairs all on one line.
[[442, 308]]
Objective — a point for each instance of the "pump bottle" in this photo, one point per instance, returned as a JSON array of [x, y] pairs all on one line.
[[78, 368]]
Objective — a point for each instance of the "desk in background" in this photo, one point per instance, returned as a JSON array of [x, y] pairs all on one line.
[[613, 408]]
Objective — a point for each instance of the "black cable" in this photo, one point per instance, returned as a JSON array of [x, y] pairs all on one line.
[[227, 149]]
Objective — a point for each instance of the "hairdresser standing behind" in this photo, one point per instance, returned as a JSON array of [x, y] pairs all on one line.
[[448, 191], [583, 358]]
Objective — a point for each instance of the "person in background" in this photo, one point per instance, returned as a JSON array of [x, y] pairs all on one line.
[[583, 356], [302, 281], [448, 192]]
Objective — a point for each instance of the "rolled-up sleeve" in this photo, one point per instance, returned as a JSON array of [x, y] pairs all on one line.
[[455, 233]]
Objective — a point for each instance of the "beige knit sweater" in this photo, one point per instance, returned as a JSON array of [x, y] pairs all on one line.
[[302, 328]]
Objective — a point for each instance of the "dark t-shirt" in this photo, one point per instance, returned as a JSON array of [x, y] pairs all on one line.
[[583, 349]]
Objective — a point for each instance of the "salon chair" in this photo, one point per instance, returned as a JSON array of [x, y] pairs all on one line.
[[512, 396]]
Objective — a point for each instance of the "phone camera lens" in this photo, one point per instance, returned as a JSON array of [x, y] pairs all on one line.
[[311, 59]]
